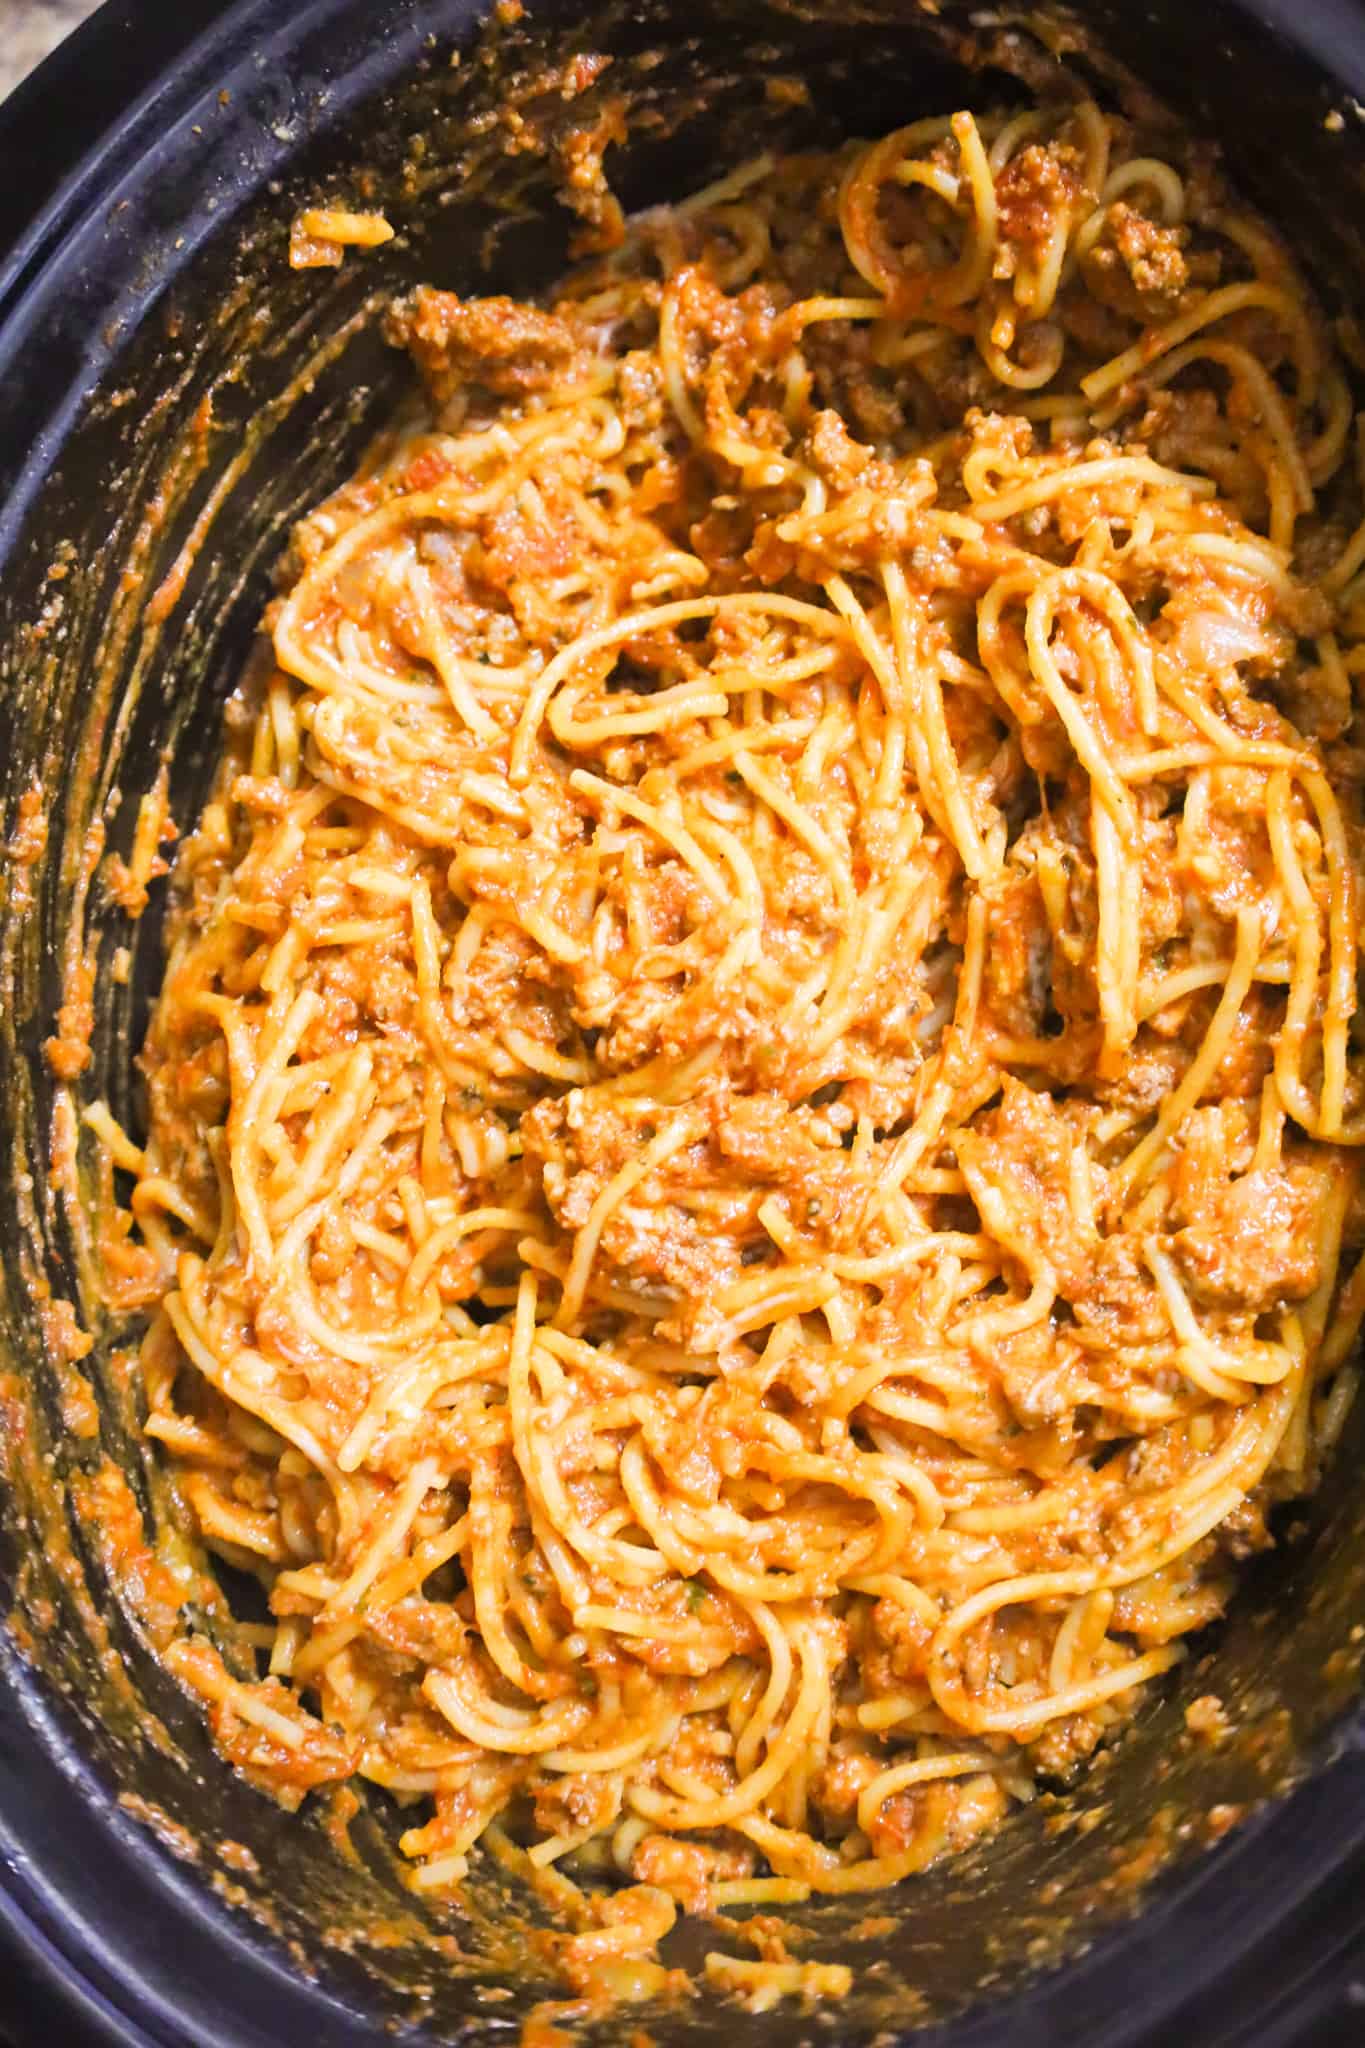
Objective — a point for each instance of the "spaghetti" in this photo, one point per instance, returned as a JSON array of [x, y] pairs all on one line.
[[752, 1124]]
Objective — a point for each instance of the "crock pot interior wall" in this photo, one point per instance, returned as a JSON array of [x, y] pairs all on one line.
[[104, 679]]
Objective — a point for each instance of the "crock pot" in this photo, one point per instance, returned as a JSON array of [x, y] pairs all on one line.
[[171, 397]]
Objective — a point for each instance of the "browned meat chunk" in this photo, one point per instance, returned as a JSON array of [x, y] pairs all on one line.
[[502, 344], [1254, 1245], [1138, 266]]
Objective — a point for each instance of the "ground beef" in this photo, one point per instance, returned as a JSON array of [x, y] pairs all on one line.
[[501, 344]]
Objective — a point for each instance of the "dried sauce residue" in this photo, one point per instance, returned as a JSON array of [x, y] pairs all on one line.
[[26, 847], [126, 881], [68, 1050]]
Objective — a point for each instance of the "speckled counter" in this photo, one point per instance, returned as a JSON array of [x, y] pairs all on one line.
[[29, 29]]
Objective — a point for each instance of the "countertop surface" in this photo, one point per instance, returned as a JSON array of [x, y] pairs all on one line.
[[29, 29]]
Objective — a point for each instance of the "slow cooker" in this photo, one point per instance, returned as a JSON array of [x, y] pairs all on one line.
[[172, 396]]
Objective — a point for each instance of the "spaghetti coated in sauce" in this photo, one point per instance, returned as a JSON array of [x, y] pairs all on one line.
[[749, 1192]]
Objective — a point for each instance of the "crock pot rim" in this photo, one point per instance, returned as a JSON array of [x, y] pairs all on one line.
[[38, 1929]]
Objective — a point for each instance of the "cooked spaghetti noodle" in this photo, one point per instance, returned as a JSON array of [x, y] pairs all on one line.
[[752, 1121]]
